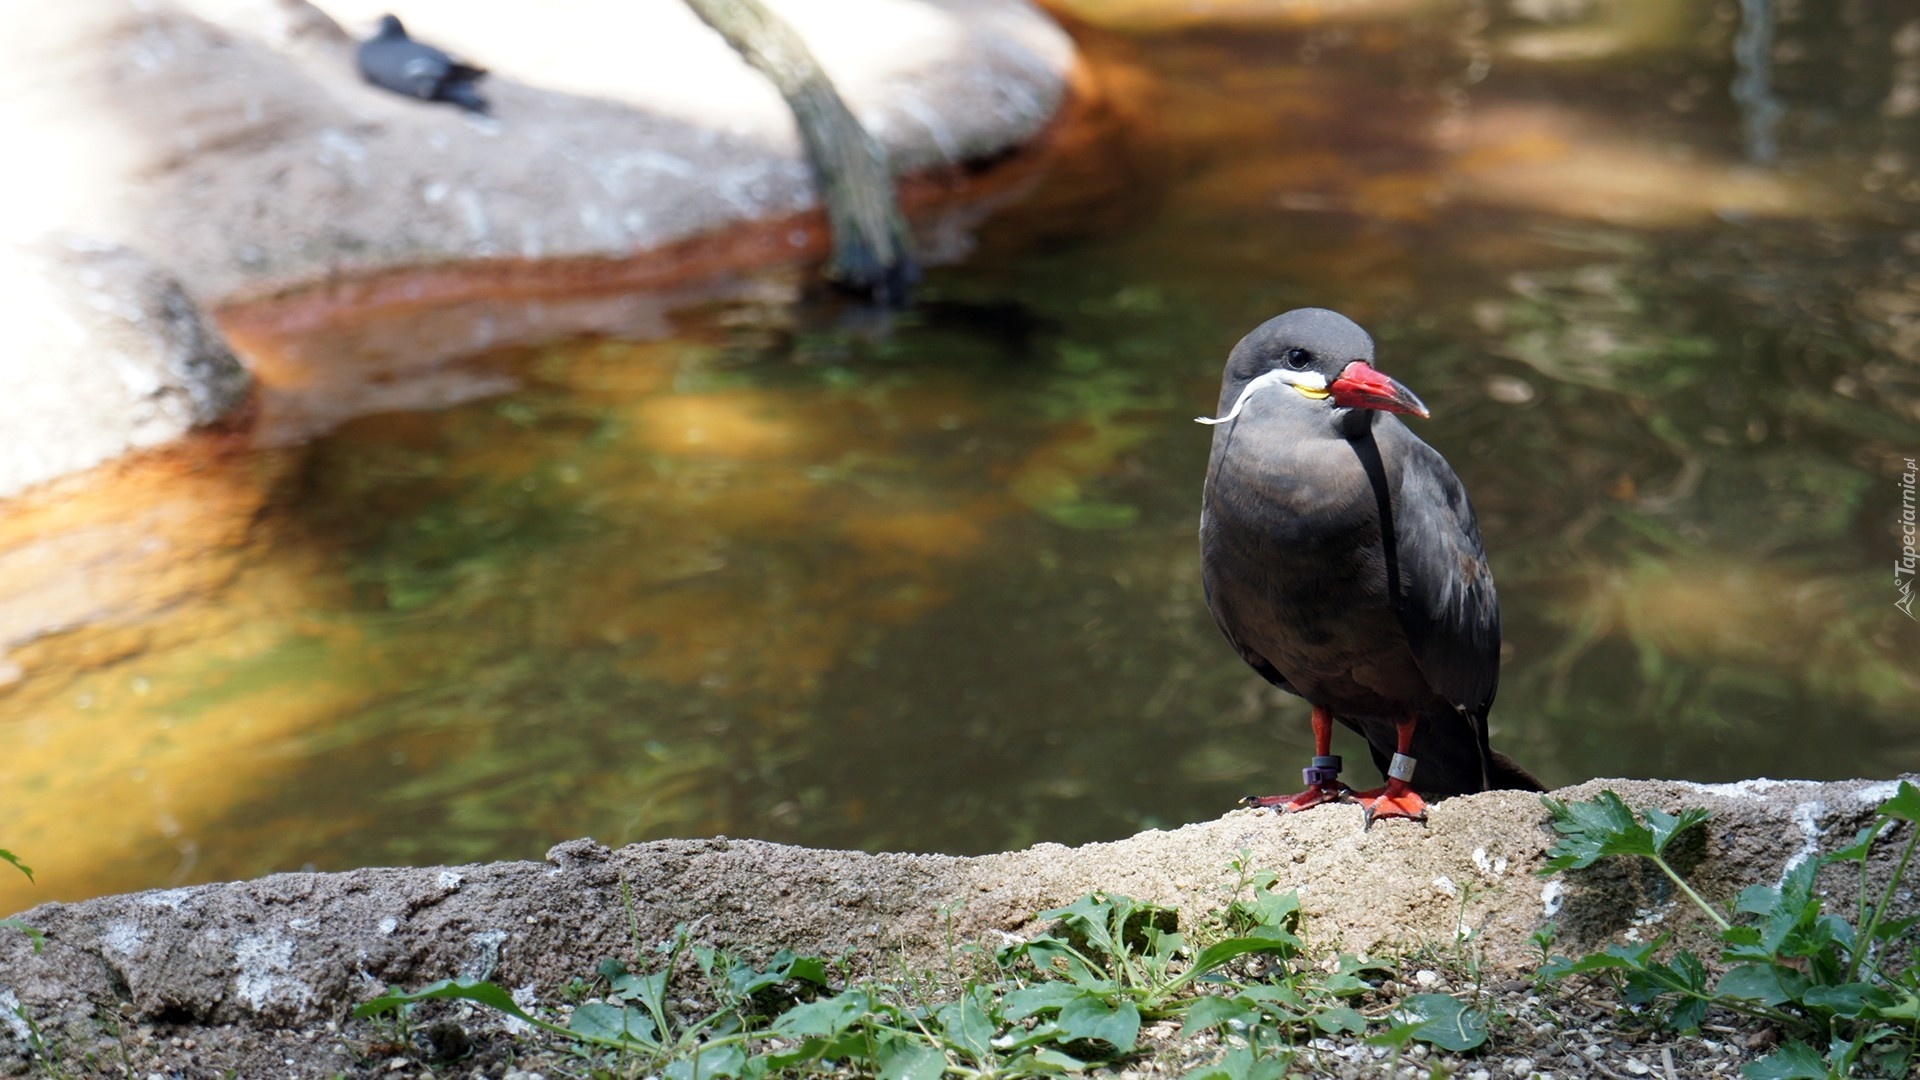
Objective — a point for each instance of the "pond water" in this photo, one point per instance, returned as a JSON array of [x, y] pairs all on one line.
[[930, 583]]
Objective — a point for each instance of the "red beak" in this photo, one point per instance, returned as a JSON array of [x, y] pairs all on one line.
[[1361, 387]]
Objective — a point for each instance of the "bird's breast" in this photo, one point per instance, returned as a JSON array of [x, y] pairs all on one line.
[[1295, 571]]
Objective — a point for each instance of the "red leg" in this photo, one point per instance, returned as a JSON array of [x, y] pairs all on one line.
[[1397, 799], [1322, 779]]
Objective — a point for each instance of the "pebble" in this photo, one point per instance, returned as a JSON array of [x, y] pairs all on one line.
[[1638, 1068], [1426, 977]]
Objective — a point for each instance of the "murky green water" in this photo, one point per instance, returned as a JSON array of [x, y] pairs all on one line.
[[932, 585]]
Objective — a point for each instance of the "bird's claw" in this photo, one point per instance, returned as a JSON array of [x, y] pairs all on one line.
[[1324, 792], [1397, 799]]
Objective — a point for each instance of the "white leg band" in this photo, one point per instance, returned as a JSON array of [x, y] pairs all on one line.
[[1402, 768]]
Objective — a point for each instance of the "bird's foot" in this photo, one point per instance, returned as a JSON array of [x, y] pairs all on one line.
[[1323, 786], [1397, 799], [1326, 792]]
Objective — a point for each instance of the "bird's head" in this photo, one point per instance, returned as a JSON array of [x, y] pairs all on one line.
[[1320, 360], [390, 26]]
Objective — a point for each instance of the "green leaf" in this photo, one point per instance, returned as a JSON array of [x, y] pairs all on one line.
[[910, 1059], [1339, 1019], [1593, 830], [1046, 1031], [1241, 1063], [1793, 1061], [710, 1062], [828, 1016], [1904, 805], [1667, 826], [475, 990], [1273, 994], [1442, 1020], [1768, 984], [1848, 999], [1584, 828], [745, 982], [613, 1023], [1396, 1035], [1270, 909], [1049, 1060], [1030, 1000], [1220, 952], [1616, 957], [1090, 918], [969, 1024], [39, 939], [808, 969], [1089, 1017], [1687, 1015], [1344, 985], [1860, 849], [1907, 1009], [9, 857], [1211, 1012], [1895, 929], [650, 989]]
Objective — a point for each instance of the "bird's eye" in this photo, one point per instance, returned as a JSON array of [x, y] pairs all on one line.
[[1298, 358]]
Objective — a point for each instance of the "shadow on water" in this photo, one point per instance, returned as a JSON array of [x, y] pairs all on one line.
[[930, 583]]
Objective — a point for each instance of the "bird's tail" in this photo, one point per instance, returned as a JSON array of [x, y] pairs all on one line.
[[1505, 774], [1478, 722], [467, 96], [1498, 772]]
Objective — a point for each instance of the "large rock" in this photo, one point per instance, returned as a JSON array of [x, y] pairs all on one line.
[[235, 135], [103, 352], [295, 950], [234, 140]]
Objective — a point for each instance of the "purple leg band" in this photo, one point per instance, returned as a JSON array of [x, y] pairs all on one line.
[[1324, 770]]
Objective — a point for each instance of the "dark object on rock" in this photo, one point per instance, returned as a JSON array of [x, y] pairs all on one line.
[[392, 60], [1341, 558], [872, 248]]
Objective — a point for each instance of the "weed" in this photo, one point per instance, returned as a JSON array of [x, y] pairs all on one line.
[[1063, 1001], [1827, 984], [33, 935]]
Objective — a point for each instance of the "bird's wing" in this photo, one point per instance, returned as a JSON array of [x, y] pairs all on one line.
[[1445, 597], [1224, 621], [405, 67], [425, 71]]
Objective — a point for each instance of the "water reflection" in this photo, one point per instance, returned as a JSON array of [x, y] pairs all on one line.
[[932, 584]]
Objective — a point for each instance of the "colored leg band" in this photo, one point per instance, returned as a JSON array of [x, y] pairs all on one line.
[[1402, 768], [1324, 770]]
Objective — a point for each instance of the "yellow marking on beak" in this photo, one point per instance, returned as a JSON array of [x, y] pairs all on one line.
[[1310, 392]]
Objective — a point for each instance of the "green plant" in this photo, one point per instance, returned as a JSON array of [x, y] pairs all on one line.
[[33, 935], [1066, 999], [1843, 994]]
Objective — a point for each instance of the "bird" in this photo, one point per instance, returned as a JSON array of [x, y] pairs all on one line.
[[1342, 560], [393, 61]]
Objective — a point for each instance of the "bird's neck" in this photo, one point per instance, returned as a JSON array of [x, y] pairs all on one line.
[[1356, 423]]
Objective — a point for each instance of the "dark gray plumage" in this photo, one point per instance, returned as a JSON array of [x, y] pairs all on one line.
[[392, 60], [1343, 561]]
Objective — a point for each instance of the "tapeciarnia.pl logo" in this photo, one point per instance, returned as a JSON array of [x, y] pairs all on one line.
[[1903, 567]]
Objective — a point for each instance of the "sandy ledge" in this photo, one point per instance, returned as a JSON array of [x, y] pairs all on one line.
[[260, 965]]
